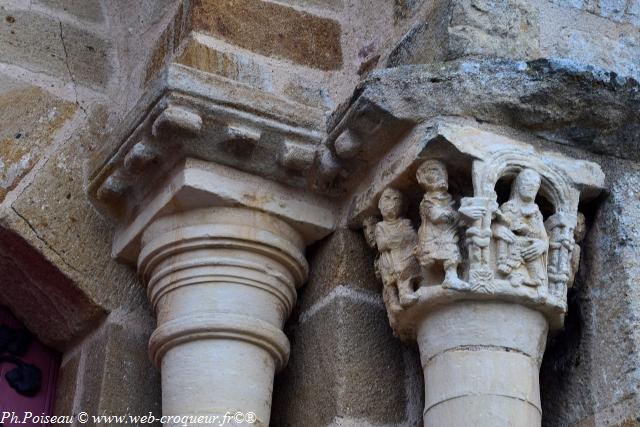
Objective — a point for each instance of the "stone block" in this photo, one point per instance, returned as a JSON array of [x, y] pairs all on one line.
[[341, 259], [345, 365], [332, 5], [611, 51], [41, 296], [30, 117], [405, 9], [462, 28], [414, 47], [167, 43], [231, 65], [68, 381], [116, 364], [273, 30], [87, 10], [246, 69], [41, 43], [484, 27], [307, 93], [54, 215], [161, 52], [624, 11], [543, 97]]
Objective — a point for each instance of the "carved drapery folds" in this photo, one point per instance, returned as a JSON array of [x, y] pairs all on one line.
[[481, 245]]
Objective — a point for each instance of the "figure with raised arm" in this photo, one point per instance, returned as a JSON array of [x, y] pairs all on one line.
[[438, 234]]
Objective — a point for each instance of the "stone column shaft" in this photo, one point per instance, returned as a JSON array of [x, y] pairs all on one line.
[[223, 282], [482, 358]]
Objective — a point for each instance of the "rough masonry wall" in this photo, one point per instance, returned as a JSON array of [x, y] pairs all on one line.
[[346, 367], [69, 71], [590, 375]]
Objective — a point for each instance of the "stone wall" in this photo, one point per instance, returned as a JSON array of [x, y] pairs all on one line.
[[69, 71], [346, 367], [590, 373]]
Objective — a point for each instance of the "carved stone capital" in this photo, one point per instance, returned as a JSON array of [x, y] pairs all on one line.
[[209, 192], [195, 115], [476, 240]]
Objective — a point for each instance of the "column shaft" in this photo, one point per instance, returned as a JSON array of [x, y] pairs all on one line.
[[223, 282], [481, 361]]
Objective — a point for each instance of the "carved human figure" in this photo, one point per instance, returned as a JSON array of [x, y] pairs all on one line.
[[522, 241], [578, 236], [438, 232], [369, 230], [396, 240]]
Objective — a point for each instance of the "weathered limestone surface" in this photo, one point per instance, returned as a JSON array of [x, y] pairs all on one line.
[[479, 27], [272, 30], [54, 216], [88, 10], [590, 374], [605, 35], [205, 54], [563, 102], [616, 10], [346, 369], [32, 116], [41, 43]]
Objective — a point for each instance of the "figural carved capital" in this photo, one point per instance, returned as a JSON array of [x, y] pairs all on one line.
[[477, 238], [472, 215]]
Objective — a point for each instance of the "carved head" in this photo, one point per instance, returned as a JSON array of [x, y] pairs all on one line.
[[527, 185], [391, 203], [369, 228], [432, 176], [581, 228]]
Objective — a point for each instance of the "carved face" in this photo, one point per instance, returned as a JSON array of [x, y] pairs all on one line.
[[369, 228], [432, 175], [527, 184], [391, 203]]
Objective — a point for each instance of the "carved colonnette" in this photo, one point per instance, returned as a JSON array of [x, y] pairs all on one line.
[[479, 277]]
